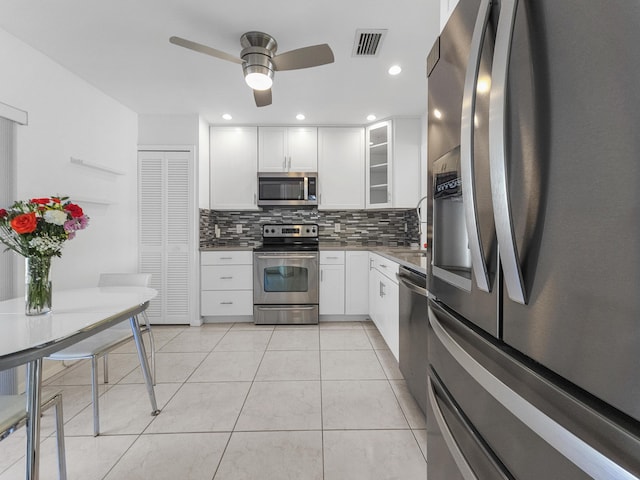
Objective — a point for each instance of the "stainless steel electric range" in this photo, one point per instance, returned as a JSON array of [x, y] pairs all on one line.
[[285, 275]]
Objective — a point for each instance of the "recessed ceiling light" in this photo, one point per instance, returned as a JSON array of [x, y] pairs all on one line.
[[371, 117], [226, 116], [300, 116], [437, 113], [395, 70]]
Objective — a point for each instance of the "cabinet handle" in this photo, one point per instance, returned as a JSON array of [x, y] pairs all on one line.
[[371, 264], [226, 278], [226, 303], [382, 288], [334, 258], [383, 265], [226, 258]]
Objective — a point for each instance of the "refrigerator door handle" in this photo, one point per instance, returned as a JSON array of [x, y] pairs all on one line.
[[458, 456], [497, 156], [465, 469], [573, 448], [466, 149]]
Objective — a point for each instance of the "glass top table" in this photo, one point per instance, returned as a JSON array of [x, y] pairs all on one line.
[[76, 314]]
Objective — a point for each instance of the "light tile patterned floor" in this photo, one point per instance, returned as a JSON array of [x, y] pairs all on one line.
[[239, 401]]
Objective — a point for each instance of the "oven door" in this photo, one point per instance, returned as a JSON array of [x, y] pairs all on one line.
[[285, 278]]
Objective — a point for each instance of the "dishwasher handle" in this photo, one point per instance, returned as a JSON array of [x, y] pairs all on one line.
[[412, 286]]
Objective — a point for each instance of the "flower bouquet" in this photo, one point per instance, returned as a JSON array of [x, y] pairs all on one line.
[[37, 230]]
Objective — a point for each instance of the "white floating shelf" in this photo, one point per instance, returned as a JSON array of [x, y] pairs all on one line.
[[94, 201], [95, 166]]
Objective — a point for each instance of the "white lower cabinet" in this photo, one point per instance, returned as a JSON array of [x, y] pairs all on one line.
[[332, 292], [356, 283], [384, 300], [226, 283]]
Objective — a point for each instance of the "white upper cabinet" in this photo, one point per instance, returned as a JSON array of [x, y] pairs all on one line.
[[234, 168], [393, 163], [341, 162], [287, 149], [379, 159]]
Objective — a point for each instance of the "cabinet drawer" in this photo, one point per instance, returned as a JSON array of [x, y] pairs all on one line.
[[332, 257], [386, 267], [220, 303], [226, 258], [226, 277]]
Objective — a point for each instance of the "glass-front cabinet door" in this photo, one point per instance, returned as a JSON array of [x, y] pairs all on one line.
[[379, 165]]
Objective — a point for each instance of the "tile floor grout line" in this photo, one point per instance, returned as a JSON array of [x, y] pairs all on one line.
[[233, 429], [321, 405]]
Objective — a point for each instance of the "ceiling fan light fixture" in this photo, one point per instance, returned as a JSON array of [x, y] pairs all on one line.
[[258, 81], [258, 77]]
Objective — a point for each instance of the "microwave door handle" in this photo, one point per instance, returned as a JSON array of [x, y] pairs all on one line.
[[466, 149], [306, 188], [502, 211]]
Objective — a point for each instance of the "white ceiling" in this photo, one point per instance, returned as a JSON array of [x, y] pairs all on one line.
[[122, 47]]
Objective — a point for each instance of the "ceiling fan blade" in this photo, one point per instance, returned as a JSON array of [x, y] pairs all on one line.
[[304, 57], [262, 97], [198, 47]]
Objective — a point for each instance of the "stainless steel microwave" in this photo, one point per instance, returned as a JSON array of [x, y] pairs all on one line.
[[287, 189]]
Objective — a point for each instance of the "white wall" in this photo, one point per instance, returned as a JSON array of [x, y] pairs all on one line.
[[70, 118], [180, 130]]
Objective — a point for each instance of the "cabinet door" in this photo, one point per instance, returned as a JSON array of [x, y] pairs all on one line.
[[407, 148], [392, 316], [234, 176], [379, 165], [341, 171], [356, 283], [331, 289], [302, 152], [373, 291], [272, 149]]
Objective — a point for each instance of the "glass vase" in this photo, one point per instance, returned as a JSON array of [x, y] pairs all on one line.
[[37, 291]]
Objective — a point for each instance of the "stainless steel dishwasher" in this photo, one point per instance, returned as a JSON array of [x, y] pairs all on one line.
[[413, 333]]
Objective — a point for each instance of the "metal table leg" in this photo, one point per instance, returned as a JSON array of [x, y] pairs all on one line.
[[33, 394], [142, 356]]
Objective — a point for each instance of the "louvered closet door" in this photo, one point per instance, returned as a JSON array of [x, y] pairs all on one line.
[[167, 229]]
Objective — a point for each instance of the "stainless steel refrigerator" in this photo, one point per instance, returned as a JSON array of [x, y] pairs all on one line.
[[534, 308]]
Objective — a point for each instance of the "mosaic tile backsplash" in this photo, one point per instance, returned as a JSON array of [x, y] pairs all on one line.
[[357, 227]]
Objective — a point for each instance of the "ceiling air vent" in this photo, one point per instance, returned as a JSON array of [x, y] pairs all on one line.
[[368, 42]]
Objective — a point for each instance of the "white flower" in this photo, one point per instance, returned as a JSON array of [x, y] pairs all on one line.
[[46, 245], [57, 217]]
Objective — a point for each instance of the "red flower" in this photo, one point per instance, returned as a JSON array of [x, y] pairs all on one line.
[[40, 201], [3, 213], [25, 223], [74, 210]]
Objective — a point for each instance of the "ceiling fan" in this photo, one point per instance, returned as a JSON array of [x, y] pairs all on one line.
[[259, 60]]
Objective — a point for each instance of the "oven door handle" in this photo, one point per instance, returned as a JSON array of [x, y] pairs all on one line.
[[286, 257], [285, 308]]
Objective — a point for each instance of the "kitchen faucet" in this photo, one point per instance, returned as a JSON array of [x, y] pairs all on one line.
[[420, 222]]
